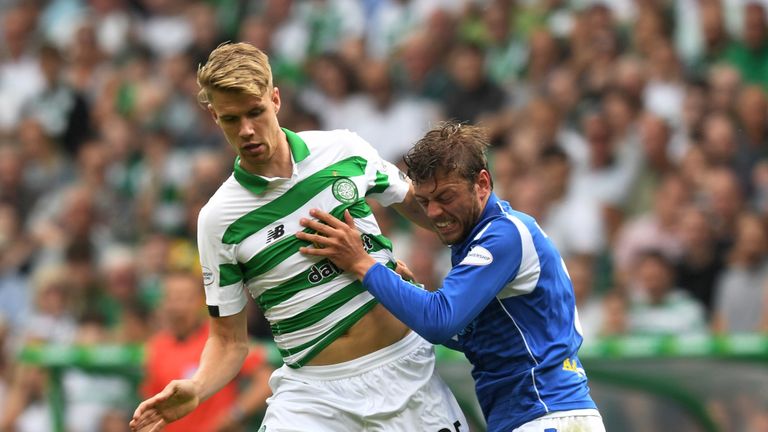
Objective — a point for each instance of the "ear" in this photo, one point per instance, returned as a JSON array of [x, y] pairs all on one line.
[[213, 113], [276, 99], [483, 183]]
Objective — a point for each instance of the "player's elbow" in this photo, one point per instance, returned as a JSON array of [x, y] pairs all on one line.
[[436, 335]]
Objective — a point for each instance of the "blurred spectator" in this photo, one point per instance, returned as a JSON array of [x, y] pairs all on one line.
[[724, 200], [749, 53], [623, 125], [391, 23], [334, 84], [46, 164], [656, 163], [751, 133], [20, 76], [119, 273], [379, 111], [719, 140], [657, 306], [588, 304], [701, 260], [334, 26], [574, 223], [742, 289], [61, 110], [615, 314], [694, 109], [13, 188], [607, 173], [723, 81], [419, 68], [506, 51], [174, 353], [665, 88], [715, 37], [472, 95], [655, 229], [15, 253], [166, 29], [90, 394]]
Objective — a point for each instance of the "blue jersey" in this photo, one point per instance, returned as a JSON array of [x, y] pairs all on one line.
[[508, 304]]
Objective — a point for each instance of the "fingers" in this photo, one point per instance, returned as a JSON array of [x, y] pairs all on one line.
[[326, 218], [147, 421], [404, 271], [319, 241], [348, 219], [146, 416]]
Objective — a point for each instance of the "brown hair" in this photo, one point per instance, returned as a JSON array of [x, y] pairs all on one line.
[[450, 147], [236, 67]]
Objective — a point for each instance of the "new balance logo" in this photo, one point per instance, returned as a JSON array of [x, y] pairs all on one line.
[[275, 233]]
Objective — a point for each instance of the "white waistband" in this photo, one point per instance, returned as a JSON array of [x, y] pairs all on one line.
[[571, 413], [360, 365]]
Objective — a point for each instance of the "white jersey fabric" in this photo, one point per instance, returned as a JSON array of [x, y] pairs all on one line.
[[394, 389], [246, 239]]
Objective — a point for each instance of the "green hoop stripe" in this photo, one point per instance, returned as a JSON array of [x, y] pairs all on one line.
[[326, 339], [294, 198], [318, 311]]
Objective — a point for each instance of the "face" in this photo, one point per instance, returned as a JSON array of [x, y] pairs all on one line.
[[453, 204], [250, 125], [182, 304]]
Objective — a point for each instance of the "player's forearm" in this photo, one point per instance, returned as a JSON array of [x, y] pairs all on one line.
[[427, 313], [220, 362], [223, 355]]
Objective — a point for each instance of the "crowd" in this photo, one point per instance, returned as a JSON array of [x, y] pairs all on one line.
[[636, 132]]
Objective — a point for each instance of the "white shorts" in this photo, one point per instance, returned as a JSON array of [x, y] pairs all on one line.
[[393, 389], [587, 420]]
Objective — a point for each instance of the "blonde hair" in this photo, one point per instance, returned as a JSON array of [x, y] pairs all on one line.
[[235, 67]]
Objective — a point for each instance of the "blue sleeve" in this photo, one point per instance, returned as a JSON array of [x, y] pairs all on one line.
[[492, 262]]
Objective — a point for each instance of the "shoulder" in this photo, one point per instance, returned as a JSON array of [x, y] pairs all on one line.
[[318, 138], [212, 214]]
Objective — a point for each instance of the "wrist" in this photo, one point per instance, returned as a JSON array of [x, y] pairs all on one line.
[[361, 267]]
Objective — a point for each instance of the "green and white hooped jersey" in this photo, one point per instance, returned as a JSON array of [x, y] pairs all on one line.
[[246, 239]]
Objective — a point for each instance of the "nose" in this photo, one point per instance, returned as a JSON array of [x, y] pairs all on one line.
[[245, 129], [433, 209]]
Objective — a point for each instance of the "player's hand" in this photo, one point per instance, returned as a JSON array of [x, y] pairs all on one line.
[[176, 400], [336, 240]]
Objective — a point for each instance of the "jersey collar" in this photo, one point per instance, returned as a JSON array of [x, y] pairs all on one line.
[[256, 183]]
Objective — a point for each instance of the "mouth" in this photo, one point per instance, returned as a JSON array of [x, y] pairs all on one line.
[[251, 147], [444, 226]]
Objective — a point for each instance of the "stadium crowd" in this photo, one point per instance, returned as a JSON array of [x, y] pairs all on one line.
[[636, 132]]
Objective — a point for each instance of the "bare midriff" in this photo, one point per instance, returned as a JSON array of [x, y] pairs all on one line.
[[376, 330]]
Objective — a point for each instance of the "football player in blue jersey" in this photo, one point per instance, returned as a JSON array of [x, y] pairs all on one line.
[[507, 302]]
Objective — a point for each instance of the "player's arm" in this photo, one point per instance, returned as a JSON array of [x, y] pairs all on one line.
[[388, 185], [253, 397], [222, 357], [437, 315], [411, 210]]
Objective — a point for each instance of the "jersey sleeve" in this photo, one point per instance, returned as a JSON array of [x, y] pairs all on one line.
[[386, 183], [492, 262], [222, 275]]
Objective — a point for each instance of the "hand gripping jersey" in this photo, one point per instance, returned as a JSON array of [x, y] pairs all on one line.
[[508, 304], [246, 240]]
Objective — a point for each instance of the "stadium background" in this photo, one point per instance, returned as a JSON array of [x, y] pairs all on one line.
[[636, 131]]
